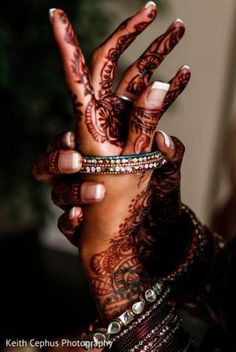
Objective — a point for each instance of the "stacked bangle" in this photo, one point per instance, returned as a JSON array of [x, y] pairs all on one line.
[[122, 164], [151, 299]]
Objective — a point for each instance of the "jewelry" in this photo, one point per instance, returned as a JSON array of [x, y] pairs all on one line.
[[123, 97], [150, 296], [122, 164]]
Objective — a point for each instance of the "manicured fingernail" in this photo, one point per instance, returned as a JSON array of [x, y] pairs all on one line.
[[150, 3], [69, 161], [167, 140], [92, 192], [74, 213], [51, 13], [179, 20], [68, 139], [157, 94], [185, 66]]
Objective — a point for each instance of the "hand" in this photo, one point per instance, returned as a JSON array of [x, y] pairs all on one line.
[[95, 137]]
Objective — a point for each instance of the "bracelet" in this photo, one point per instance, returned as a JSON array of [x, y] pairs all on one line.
[[122, 164], [154, 295]]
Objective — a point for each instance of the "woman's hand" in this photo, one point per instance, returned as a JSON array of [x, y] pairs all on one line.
[[106, 248]]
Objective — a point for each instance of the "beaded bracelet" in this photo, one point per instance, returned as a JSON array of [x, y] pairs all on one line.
[[122, 164]]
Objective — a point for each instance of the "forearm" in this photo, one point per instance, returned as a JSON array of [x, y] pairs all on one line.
[[109, 259]]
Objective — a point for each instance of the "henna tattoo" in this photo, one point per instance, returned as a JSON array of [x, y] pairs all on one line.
[[68, 226], [143, 123], [46, 167], [118, 278], [78, 65], [153, 57], [165, 205], [105, 120], [110, 67], [177, 85], [66, 194]]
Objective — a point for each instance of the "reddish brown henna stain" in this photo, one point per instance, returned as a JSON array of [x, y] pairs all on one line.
[[153, 57], [143, 123], [118, 277], [165, 203]]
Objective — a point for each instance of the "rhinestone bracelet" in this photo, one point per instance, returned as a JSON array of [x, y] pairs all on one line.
[[122, 321], [122, 164]]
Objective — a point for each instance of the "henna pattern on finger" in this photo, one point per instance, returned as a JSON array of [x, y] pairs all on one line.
[[177, 85], [117, 276], [69, 226], [165, 204], [78, 65], [143, 123], [46, 167], [66, 194], [152, 59]]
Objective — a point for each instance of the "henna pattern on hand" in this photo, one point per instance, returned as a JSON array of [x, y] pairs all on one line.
[[110, 67], [105, 120], [153, 57], [165, 204], [143, 123], [66, 194], [177, 85], [118, 277]]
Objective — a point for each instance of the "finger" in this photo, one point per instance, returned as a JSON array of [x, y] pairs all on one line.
[[105, 57], [137, 76], [177, 85], [166, 181], [144, 118], [68, 224], [77, 193], [171, 147], [58, 162], [76, 71], [63, 141]]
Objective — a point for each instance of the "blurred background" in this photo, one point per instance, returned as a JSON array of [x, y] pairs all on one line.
[[40, 277]]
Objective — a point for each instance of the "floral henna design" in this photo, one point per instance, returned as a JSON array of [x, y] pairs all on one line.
[[118, 277], [109, 123], [153, 57]]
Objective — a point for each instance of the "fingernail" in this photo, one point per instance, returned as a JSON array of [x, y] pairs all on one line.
[[185, 66], [92, 192], [150, 3], [68, 139], [69, 160], [157, 94], [74, 213], [167, 140], [179, 20], [51, 13]]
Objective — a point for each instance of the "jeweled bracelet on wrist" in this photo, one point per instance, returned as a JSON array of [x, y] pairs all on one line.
[[122, 164]]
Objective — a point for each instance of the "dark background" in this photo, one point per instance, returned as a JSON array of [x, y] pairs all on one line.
[[43, 293]]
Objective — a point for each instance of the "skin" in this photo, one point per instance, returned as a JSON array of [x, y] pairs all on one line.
[[110, 258]]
